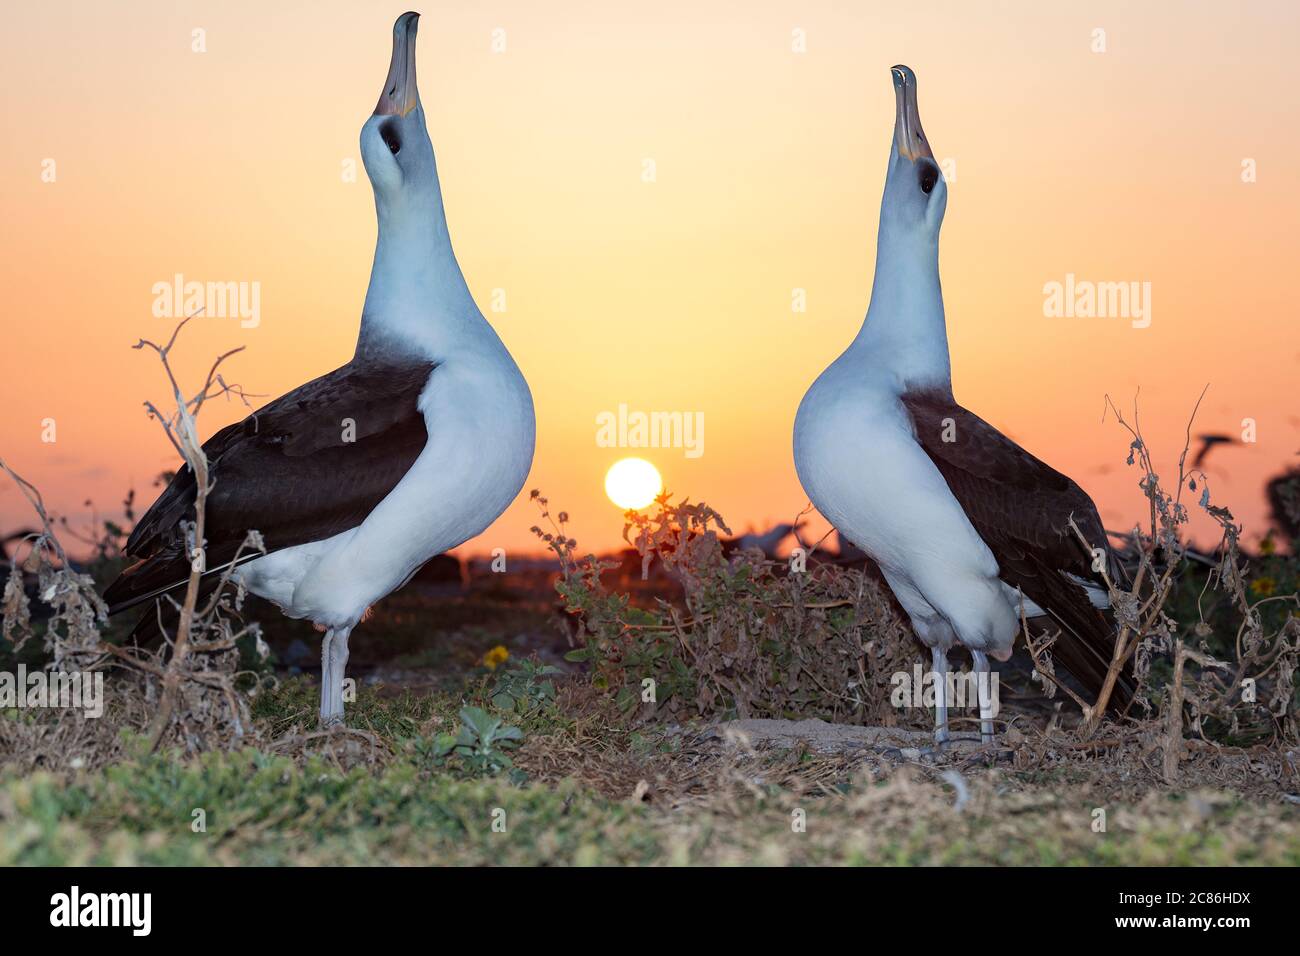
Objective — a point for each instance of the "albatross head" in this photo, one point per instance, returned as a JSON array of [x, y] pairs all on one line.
[[915, 192], [905, 331], [418, 302], [395, 144]]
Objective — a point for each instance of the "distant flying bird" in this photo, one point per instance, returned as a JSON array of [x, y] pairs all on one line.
[[1207, 443], [358, 478], [962, 521]]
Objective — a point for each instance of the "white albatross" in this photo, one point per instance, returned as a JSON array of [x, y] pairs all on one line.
[[358, 478], [964, 524]]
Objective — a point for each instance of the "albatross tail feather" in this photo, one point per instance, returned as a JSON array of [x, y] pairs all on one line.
[[156, 576], [1087, 643], [146, 579], [1089, 662]]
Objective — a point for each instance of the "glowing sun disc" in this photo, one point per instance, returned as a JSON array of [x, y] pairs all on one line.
[[633, 483]]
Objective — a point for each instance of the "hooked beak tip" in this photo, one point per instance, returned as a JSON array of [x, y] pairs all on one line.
[[909, 138], [401, 94]]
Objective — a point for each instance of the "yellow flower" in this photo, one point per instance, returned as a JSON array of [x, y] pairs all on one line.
[[1263, 586], [498, 655]]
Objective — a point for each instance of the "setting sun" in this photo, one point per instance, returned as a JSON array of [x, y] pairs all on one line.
[[633, 483]]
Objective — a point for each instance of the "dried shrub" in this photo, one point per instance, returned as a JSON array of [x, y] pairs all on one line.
[[751, 637], [1234, 688], [189, 683]]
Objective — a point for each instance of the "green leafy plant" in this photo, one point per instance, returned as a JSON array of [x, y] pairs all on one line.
[[526, 688], [480, 744]]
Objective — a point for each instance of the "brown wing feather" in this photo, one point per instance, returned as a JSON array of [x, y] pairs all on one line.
[[287, 471], [1021, 507]]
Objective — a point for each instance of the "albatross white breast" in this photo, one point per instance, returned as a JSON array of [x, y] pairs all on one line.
[[359, 477], [964, 524]]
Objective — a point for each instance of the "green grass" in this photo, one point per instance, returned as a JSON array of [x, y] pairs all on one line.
[[269, 810], [424, 806], [297, 701]]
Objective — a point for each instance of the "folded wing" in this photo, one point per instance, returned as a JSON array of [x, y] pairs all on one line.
[[309, 465], [1021, 507]]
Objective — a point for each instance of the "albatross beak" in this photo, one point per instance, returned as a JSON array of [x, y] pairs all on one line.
[[908, 135], [400, 95]]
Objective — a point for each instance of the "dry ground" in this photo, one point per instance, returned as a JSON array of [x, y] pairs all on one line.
[[586, 787]]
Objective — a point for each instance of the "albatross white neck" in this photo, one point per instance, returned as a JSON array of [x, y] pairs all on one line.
[[418, 300], [905, 331]]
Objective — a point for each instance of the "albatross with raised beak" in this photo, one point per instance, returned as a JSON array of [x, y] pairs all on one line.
[[967, 527], [358, 478]]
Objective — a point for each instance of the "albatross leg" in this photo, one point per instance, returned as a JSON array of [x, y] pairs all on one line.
[[940, 658], [326, 683], [338, 665], [985, 694]]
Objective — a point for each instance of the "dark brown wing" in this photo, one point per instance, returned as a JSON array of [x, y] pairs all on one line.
[[1021, 507], [309, 465]]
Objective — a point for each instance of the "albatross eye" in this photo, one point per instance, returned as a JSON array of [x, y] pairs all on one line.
[[391, 139], [927, 177]]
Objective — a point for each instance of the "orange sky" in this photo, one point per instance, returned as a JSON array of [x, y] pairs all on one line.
[[673, 295]]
